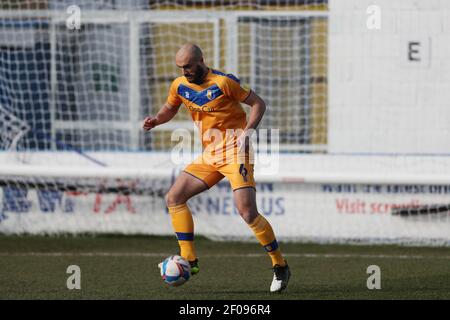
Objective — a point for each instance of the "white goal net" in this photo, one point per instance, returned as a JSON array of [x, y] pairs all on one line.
[[363, 143]]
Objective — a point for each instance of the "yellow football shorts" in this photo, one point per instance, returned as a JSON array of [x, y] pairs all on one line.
[[240, 175]]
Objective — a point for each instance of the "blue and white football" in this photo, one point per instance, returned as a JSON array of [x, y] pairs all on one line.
[[175, 270]]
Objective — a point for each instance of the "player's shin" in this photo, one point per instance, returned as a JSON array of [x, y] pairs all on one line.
[[183, 226], [266, 237]]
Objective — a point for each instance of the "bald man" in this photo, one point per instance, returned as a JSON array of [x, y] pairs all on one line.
[[214, 101]]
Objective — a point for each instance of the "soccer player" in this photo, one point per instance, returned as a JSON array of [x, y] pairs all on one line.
[[213, 99]]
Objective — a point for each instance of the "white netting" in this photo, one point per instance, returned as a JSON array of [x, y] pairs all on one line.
[[90, 88], [12, 129], [72, 100], [335, 208]]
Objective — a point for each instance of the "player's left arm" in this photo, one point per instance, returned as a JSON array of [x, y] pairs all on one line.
[[242, 94], [258, 107], [257, 112]]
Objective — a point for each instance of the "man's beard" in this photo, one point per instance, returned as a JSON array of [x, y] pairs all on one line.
[[199, 74]]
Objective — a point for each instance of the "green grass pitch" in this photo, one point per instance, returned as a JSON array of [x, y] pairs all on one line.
[[125, 267]]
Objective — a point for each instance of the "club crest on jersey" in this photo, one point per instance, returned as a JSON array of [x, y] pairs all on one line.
[[209, 94], [186, 94]]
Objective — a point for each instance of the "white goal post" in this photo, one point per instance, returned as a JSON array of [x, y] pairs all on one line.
[[297, 177]]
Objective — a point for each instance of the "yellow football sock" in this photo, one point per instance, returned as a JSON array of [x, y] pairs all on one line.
[[266, 237], [183, 226]]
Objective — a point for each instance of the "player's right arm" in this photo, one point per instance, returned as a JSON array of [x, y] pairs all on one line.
[[164, 115], [168, 110]]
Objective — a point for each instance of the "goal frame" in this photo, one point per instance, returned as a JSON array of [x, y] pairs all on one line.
[[134, 19]]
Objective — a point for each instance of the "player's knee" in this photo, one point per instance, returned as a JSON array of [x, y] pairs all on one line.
[[248, 213], [173, 199]]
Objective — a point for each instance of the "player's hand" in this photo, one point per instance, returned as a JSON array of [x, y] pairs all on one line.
[[149, 123], [243, 140]]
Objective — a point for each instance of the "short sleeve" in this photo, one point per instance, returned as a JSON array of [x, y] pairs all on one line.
[[174, 99], [233, 88]]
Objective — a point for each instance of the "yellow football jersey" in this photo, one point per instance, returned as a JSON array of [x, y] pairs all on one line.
[[214, 104]]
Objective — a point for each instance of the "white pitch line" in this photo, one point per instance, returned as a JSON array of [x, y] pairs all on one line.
[[224, 255]]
